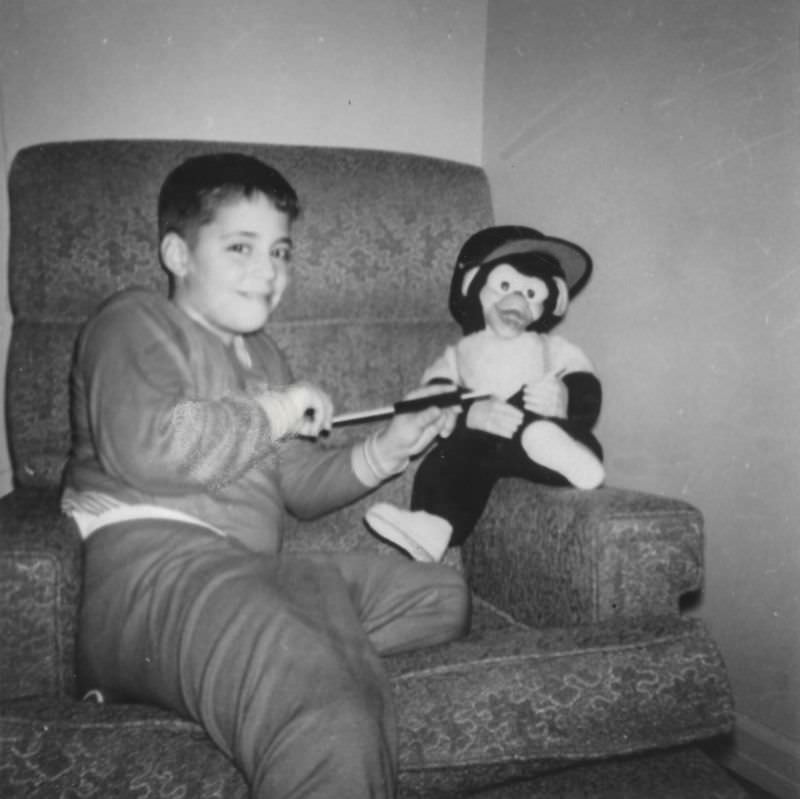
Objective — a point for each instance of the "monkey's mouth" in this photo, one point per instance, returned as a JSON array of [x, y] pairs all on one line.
[[515, 318]]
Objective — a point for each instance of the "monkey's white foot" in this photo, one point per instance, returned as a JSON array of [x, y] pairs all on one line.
[[424, 536], [547, 444]]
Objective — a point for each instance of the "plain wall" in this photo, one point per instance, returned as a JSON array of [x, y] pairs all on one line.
[[402, 75], [662, 135]]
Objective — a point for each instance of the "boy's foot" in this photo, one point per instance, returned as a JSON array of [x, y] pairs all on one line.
[[549, 445], [424, 536]]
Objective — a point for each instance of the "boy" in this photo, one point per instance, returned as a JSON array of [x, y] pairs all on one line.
[[186, 451]]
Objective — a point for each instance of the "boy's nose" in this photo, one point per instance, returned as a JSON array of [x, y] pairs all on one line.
[[263, 266]]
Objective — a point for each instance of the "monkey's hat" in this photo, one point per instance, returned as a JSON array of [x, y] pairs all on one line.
[[488, 247]]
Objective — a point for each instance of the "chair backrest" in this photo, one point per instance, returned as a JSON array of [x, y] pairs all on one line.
[[367, 309]]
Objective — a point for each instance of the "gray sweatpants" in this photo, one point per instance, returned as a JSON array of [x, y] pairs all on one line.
[[277, 657]]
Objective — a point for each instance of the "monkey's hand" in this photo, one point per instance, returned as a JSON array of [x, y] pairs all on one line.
[[494, 416], [547, 397]]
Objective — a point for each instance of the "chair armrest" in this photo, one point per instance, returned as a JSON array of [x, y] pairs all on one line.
[[561, 556], [40, 579]]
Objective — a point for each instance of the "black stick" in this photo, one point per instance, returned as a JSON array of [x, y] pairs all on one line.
[[444, 400]]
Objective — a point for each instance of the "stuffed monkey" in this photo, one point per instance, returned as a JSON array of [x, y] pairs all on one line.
[[510, 287]]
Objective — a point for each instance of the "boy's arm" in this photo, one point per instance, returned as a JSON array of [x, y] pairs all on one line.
[[315, 480], [150, 426]]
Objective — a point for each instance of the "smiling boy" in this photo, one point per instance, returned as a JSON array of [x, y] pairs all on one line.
[[190, 442]]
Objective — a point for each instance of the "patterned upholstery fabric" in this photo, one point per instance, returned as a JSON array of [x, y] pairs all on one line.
[[86, 748], [573, 694], [570, 556], [672, 774], [81, 749], [577, 652], [40, 581]]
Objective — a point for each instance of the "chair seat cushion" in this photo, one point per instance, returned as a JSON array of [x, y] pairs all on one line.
[[511, 700], [683, 773], [68, 748], [505, 702]]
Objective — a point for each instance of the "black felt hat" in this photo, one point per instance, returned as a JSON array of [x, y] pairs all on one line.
[[494, 243]]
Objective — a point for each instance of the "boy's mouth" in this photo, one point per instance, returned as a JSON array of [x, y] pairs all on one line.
[[256, 295]]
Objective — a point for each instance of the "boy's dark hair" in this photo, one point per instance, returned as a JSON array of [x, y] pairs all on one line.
[[193, 191]]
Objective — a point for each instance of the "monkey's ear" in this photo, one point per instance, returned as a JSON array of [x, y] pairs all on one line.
[[563, 297], [469, 276]]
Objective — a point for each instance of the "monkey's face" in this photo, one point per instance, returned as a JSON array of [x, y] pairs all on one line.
[[511, 301]]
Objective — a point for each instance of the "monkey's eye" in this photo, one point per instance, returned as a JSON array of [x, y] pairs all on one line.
[[530, 293], [505, 285]]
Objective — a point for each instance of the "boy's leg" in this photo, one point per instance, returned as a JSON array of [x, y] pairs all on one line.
[[267, 653], [403, 604]]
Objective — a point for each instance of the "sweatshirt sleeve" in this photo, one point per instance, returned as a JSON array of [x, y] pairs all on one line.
[[316, 479], [151, 424]]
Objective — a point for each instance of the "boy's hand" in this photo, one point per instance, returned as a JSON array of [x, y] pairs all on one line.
[[494, 416], [408, 434], [318, 409], [547, 397], [300, 409]]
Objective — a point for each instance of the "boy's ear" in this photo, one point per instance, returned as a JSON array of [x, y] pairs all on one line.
[[174, 254]]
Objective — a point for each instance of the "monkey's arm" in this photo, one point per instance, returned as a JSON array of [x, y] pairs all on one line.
[[585, 397]]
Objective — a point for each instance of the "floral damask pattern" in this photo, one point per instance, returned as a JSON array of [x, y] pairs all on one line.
[[560, 556], [506, 701]]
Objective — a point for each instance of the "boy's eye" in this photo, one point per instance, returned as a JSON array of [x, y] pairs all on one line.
[[241, 248], [282, 253]]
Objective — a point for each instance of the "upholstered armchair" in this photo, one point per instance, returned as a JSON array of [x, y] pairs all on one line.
[[580, 672]]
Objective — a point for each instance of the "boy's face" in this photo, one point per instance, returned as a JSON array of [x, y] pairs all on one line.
[[233, 275]]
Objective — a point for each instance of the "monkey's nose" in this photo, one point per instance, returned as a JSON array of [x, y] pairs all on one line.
[[514, 301]]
